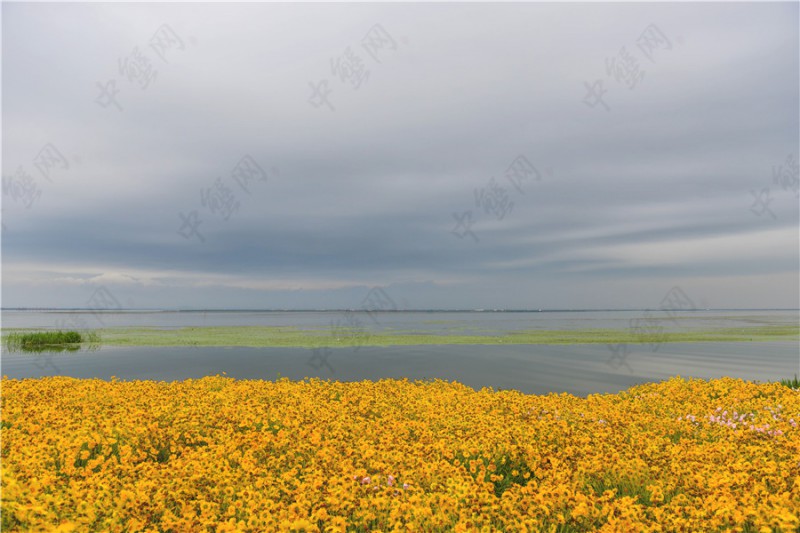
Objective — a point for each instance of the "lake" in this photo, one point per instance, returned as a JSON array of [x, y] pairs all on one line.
[[578, 369]]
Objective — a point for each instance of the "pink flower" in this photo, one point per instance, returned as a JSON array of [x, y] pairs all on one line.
[[390, 481], [366, 480], [405, 485]]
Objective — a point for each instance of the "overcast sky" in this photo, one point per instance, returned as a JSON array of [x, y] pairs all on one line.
[[456, 155]]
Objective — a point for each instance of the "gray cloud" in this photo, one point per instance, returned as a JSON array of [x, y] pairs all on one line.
[[654, 192]]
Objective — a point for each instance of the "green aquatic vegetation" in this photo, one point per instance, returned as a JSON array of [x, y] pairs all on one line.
[[42, 341], [286, 336]]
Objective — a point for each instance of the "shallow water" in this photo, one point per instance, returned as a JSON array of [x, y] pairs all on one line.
[[400, 321], [533, 369]]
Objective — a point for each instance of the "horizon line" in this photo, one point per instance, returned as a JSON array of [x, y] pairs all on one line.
[[361, 309]]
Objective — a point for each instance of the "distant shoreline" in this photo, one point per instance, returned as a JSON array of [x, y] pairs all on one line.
[[362, 310]]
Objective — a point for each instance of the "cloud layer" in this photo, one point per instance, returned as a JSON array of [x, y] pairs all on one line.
[[460, 159]]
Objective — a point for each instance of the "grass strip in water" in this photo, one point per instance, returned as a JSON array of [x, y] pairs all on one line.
[[286, 336]]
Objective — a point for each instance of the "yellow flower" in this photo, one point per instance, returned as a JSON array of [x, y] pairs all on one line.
[[295, 456]]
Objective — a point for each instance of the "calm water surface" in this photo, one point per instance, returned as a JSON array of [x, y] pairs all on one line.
[[431, 321], [536, 369]]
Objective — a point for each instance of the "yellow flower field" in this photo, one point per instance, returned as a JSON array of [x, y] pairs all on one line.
[[219, 454]]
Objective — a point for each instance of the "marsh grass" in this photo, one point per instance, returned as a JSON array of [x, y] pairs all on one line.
[[49, 341], [285, 336]]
